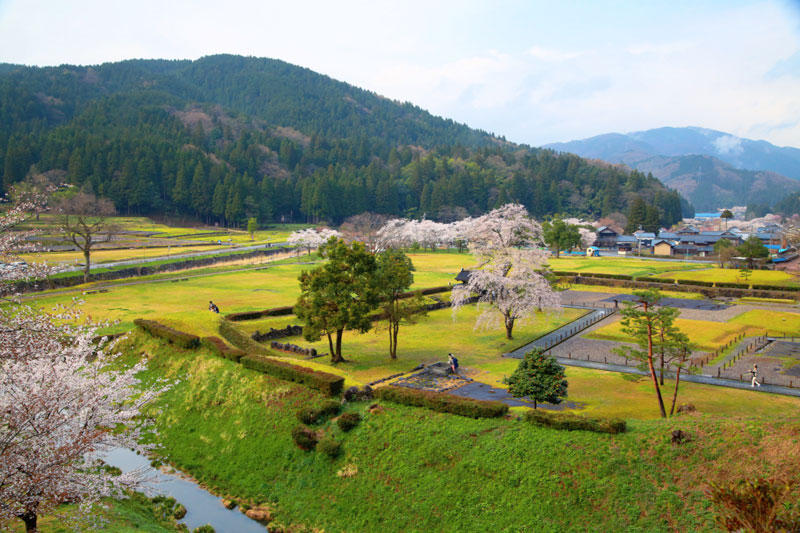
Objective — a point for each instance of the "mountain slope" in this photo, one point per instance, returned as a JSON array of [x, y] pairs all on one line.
[[226, 138], [711, 168]]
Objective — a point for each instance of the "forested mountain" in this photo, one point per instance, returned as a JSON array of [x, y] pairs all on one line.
[[225, 138], [711, 168]]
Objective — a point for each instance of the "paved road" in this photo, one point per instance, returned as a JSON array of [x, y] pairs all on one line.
[[564, 332]]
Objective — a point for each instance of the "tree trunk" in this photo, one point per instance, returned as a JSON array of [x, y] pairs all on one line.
[[338, 357], [509, 327], [661, 359], [557, 253], [652, 368], [675, 394], [330, 346], [86, 263], [29, 518], [394, 326]]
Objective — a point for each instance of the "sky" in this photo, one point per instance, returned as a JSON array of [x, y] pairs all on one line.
[[532, 71]]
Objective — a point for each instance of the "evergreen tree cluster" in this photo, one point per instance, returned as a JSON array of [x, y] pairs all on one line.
[[227, 138]]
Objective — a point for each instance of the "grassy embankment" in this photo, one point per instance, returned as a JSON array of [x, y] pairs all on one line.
[[413, 469]]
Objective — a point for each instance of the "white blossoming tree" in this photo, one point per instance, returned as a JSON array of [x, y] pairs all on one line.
[[508, 283], [61, 406], [311, 238]]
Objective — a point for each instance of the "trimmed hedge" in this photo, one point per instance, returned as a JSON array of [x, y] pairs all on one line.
[[327, 383], [312, 415], [664, 281], [732, 285], [329, 447], [432, 290], [304, 438], [442, 402], [775, 288], [218, 346], [572, 422], [348, 421], [239, 339], [695, 282], [252, 315], [607, 276], [184, 340]]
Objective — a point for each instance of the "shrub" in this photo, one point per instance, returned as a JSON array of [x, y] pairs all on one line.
[[204, 529], [233, 335], [329, 447], [608, 276], [329, 384], [760, 505], [348, 421], [184, 340], [664, 281], [775, 288], [696, 282], [431, 290], [442, 402], [252, 315], [731, 285], [304, 438], [312, 415], [179, 511], [572, 422], [218, 346]]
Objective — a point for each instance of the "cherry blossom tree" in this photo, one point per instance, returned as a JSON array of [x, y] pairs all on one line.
[[14, 240], [509, 282], [62, 404], [311, 238], [587, 237]]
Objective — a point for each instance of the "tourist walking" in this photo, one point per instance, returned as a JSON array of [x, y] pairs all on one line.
[[453, 362], [754, 381]]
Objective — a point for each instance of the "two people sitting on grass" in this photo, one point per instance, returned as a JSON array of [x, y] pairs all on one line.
[[213, 307], [453, 362]]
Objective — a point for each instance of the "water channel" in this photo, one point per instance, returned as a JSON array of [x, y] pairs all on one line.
[[202, 507]]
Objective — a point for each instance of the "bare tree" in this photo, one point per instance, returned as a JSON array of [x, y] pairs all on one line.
[[363, 228], [84, 220]]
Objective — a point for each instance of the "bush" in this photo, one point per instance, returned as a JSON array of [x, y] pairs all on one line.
[[442, 402], [312, 415], [233, 335], [179, 511], [696, 282], [731, 285], [204, 529], [329, 447], [218, 346], [329, 384], [775, 288], [608, 276], [431, 290], [304, 438], [572, 422], [184, 340], [252, 315], [664, 281], [348, 421]]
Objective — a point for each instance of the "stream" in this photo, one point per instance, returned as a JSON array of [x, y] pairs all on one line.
[[202, 507]]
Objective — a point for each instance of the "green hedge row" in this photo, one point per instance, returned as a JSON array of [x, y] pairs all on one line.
[[442, 402], [252, 315], [217, 345], [607, 276], [664, 281], [327, 383], [732, 285], [432, 290], [775, 288], [572, 422], [239, 339], [184, 340], [695, 282]]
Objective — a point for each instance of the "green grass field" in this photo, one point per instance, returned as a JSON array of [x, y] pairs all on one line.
[[775, 322], [626, 290], [729, 275], [708, 336], [413, 469], [428, 341], [618, 265]]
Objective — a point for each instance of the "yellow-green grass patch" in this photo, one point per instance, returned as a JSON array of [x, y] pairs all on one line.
[[615, 265], [753, 299], [708, 336], [729, 275], [628, 290], [774, 322]]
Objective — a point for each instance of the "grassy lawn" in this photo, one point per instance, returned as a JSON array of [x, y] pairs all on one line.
[[618, 265], [627, 290], [105, 256], [136, 514], [709, 336], [729, 275], [428, 341], [229, 427], [775, 322]]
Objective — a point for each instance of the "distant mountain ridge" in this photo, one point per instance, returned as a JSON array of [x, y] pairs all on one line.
[[228, 138], [711, 168]]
